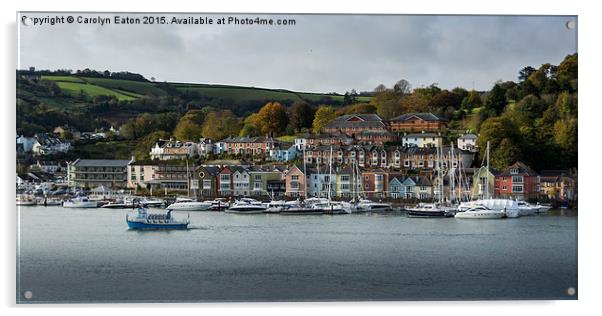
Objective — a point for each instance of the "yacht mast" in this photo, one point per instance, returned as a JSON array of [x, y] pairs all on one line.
[[330, 176], [304, 176], [452, 177], [487, 172]]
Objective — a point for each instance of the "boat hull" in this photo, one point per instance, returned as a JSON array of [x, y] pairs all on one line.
[[143, 225], [302, 211], [479, 215], [257, 211], [419, 213], [80, 205]]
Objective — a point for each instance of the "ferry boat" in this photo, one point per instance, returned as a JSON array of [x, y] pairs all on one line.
[[246, 207], [480, 212], [80, 202], [429, 210], [144, 220]]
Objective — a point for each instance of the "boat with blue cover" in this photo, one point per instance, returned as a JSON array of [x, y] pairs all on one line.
[[144, 220]]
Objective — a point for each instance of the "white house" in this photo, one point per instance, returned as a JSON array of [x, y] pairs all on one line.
[[27, 142], [220, 148], [282, 154], [172, 149], [46, 144], [300, 143], [468, 142], [422, 140], [205, 146]]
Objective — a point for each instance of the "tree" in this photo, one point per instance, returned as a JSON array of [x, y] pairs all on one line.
[[301, 115], [502, 135], [472, 100], [324, 115], [402, 87], [524, 73], [271, 119], [496, 99], [144, 145], [221, 124]]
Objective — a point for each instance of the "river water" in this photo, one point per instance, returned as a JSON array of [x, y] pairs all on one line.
[[89, 255]]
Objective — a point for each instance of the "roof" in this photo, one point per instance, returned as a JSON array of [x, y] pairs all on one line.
[[359, 117], [416, 135], [245, 139], [468, 136], [101, 163], [522, 170], [422, 116]]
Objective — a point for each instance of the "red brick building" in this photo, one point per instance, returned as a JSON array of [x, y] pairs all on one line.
[[416, 122], [518, 182]]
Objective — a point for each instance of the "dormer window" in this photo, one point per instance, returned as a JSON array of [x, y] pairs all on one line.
[[514, 171]]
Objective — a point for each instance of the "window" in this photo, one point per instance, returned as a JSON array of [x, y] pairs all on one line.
[[257, 177], [207, 184], [504, 188], [517, 179], [517, 188], [295, 178], [514, 171], [345, 177]]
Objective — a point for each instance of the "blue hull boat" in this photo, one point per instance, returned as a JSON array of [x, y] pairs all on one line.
[[140, 225], [143, 220]]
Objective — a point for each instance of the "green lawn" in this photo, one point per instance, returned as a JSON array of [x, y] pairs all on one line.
[[74, 88]]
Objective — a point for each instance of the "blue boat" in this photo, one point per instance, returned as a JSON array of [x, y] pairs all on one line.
[[144, 220]]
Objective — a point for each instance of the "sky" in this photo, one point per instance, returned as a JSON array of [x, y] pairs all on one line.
[[320, 53]]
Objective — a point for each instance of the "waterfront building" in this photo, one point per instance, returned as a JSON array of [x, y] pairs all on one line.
[[175, 175], [91, 173], [374, 183], [141, 174], [415, 187], [207, 176], [518, 182], [295, 182], [259, 178], [415, 122], [319, 181], [468, 142], [225, 183], [240, 181], [483, 183], [557, 184], [344, 182]]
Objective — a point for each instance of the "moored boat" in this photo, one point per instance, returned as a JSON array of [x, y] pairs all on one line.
[[80, 202], [244, 207], [144, 220], [371, 206], [190, 206], [480, 212], [25, 200], [429, 210]]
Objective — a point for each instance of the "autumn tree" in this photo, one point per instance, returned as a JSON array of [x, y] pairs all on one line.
[[301, 115], [324, 115], [221, 124], [271, 119]]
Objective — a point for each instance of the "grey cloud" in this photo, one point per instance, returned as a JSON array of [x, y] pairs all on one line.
[[321, 53]]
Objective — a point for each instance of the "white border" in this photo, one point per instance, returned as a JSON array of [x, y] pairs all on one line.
[[589, 218]]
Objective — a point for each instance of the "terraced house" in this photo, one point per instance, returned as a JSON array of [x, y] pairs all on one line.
[[416, 187], [295, 182], [255, 147], [260, 177]]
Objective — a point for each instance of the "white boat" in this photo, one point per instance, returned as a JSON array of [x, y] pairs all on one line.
[[480, 212], [541, 208], [219, 204], [50, 202], [526, 209], [190, 206], [80, 202], [371, 206], [24, 200], [275, 206], [509, 207], [244, 207]]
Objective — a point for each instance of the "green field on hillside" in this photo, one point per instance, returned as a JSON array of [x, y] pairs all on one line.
[[138, 87], [74, 89]]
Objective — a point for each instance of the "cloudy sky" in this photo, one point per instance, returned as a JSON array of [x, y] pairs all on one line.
[[320, 53]]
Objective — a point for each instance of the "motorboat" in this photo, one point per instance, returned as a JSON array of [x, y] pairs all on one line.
[[80, 202], [50, 202], [244, 207], [249, 201], [219, 204], [371, 206], [152, 202], [480, 212], [525, 208], [542, 208], [429, 210], [25, 200], [333, 208], [144, 220], [117, 205], [303, 208], [509, 207], [275, 206], [190, 206]]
